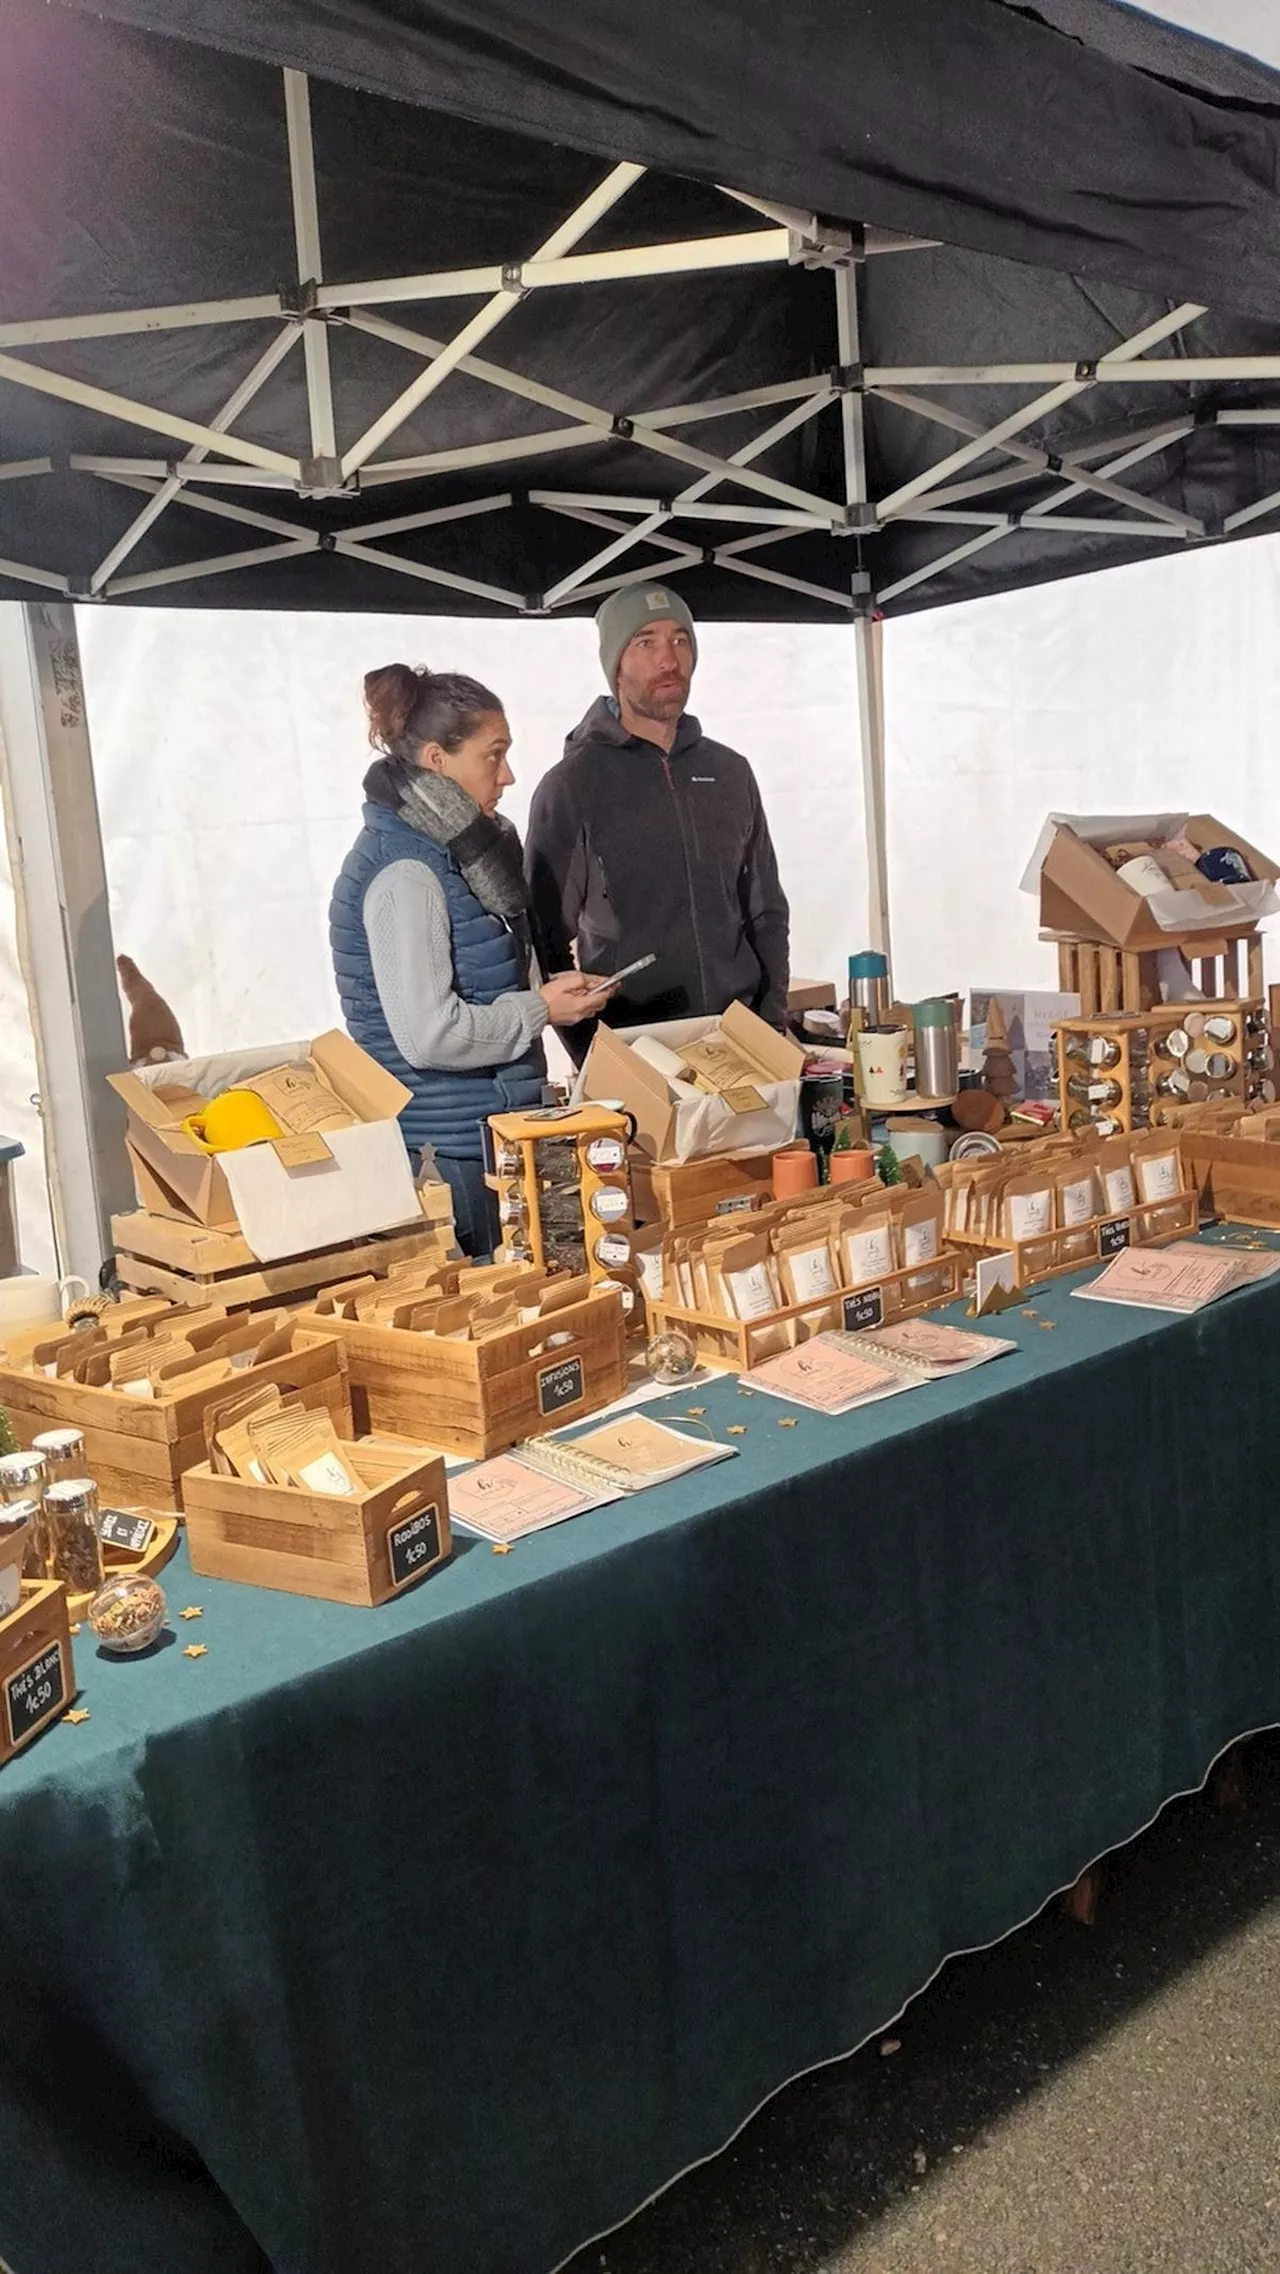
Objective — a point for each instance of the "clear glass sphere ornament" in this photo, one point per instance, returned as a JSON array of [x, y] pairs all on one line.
[[670, 1357]]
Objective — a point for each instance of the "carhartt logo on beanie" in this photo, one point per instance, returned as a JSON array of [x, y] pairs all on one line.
[[625, 613]]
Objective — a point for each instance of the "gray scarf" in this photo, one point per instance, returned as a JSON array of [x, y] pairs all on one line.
[[485, 847]]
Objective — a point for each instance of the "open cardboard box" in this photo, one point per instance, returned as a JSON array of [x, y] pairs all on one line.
[[676, 1122], [1081, 894], [300, 1192]]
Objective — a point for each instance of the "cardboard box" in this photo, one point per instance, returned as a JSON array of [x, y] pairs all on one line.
[[680, 1123], [309, 1189], [1082, 896]]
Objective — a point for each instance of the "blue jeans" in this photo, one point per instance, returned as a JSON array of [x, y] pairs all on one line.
[[475, 1209]]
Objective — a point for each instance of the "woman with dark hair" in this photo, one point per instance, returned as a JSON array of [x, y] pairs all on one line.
[[430, 929]]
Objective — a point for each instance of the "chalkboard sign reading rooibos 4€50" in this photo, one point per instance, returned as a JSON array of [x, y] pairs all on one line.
[[34, 1695], [560, 1386], [413, 1545]]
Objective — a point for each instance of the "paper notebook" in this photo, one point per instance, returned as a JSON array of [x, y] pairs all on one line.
[[549, 1479], [1183, 1277], [836, 1372], [927, 1350]]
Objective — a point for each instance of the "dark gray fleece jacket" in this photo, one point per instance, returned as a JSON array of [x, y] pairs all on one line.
[[630, 852]]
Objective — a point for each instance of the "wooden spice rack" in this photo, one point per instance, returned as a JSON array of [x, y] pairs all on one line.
[[1143, 1057], [346, 1548], [1151, 1225], [37, 1676], [736, 1343], [482, 1397], [519, 1135], [1111, 979]]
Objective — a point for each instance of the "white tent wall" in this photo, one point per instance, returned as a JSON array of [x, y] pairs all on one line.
[[1139, 690], [19, 1084], [229, 750]]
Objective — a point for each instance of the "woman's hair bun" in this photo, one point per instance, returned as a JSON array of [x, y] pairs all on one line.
[[389, 697]]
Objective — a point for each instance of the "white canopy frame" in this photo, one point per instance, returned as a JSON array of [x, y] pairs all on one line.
[[728, 493]]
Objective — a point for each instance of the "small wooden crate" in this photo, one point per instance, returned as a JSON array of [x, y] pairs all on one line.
[[1050, 1254], [137, 1449], [478, 1398], [359, 1549], [158, 1255], [1238, 1177], [1113, 979], [37, 1677], [690, 1192], [737, 1343]]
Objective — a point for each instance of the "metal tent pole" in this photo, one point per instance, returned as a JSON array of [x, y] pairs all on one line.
[[64, 924], [867, 634]]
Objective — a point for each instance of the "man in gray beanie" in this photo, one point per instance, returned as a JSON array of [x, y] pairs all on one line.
[[649, 839]]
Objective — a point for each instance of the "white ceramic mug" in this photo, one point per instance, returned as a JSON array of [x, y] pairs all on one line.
[[30, 1300], [1144, 876], [882, 1064]]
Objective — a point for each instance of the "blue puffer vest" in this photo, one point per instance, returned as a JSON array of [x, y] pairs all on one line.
[[447, 1108]]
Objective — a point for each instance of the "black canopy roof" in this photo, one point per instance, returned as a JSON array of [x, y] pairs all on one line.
[[1085, 177]]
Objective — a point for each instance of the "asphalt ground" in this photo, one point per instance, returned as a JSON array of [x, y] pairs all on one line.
[[1078, 2100]]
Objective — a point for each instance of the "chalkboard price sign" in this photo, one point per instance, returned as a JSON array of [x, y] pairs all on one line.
[[560, 1386], [1113, 1237], [865, 1309], [117, 1528], [36, 1694], [414, 1545]]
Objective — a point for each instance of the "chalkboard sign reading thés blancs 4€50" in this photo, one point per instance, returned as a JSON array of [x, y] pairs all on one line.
[[36, 1693]]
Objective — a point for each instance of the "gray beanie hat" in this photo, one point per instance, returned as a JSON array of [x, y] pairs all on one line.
[[627, 610]]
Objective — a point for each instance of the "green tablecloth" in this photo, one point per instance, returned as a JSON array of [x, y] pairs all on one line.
[[434, 1939]]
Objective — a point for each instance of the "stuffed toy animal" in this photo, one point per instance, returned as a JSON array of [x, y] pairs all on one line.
[[154, 1033]]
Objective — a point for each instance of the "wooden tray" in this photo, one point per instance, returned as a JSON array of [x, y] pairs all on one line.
[[117, 1561], [1052, 1253], [157, 1255], [479, 1398], [736, 1343], [136, 1449], [690, 1192], [353, 1549], [37, 1677]]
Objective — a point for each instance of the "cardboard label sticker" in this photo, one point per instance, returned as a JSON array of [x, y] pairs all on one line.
[[560, 1386], [414, 1545], [1113, 1237], [35, 1694], [865, 1309], [118, 1529]]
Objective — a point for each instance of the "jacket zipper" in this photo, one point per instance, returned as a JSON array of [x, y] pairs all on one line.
[[688, 877]]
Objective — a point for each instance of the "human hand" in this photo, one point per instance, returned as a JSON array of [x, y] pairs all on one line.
[[572, 996]]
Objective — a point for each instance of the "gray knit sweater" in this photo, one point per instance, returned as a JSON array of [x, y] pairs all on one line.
[[406, 917]]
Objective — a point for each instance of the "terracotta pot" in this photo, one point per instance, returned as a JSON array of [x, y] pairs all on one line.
[[795, 1169], [852, 1166]]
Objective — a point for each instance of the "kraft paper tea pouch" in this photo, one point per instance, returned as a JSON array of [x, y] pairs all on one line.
[[647, 1247], [1076, 1205], [1114, 1167], [808, 1272], [1157, 1163], [919, 1230], [1027, 1206], [751, 1283], [867, 1248]]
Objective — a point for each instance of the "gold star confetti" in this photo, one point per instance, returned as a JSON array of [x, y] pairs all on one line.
[[73, 1630], [736, 1429], [77, 1713], [746, 1393], [502, 1547], [193, 1611], [1028, 1313], [695, 1412], [1046, 1326], [195, 1650], [788, 1422]]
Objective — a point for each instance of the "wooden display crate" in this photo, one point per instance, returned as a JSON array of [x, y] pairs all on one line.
[[136, 1449], [158, 1255], [478, 1398], [1051, 1254], [1238, 1178], [690, 1192], [362, 1548], [740, 1344], [1108, 978], [37, 1677]]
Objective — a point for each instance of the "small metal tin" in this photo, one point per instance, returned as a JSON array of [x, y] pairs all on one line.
[[1177, 1042], [606, 1155], [628, 1294], [1262, 1060], [1265, 1093], [1220, 1029], [63, 1451], [1197, 1060], [1220, 1067], [977, 1145], [613, 1250], [1194, 1022]]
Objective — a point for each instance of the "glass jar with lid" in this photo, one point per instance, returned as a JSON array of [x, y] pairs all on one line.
[[73, 1551], [63, 1452]]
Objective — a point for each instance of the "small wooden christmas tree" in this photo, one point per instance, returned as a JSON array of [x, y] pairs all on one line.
[[998, 1074]]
